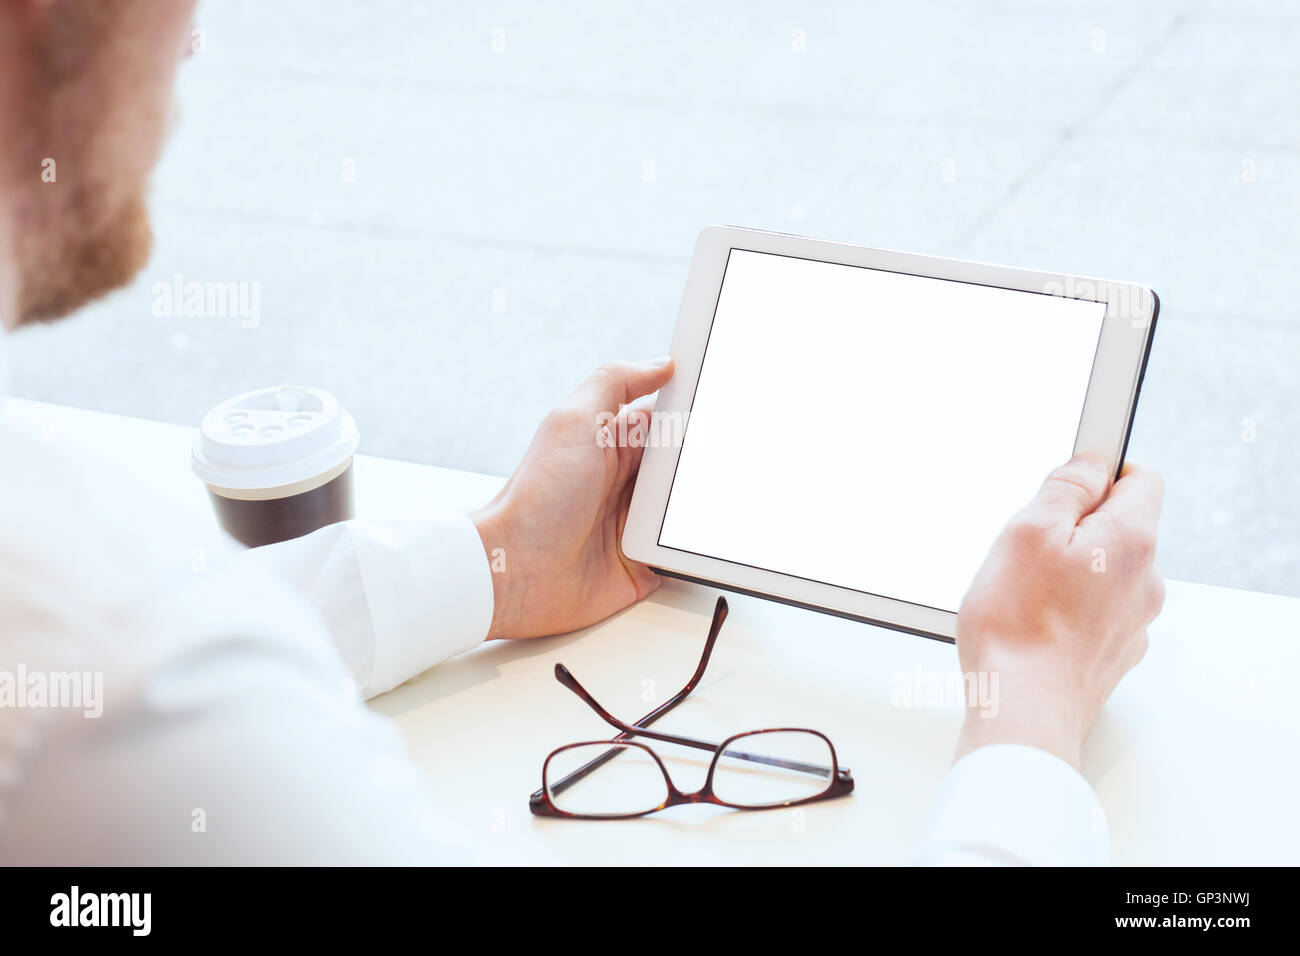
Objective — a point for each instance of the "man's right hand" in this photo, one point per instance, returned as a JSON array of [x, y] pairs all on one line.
[[1060, 607]]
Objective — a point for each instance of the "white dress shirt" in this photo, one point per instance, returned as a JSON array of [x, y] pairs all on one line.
[[230, 724]]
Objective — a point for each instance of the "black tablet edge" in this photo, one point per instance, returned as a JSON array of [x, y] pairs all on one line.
[[918, 632], [1137, 392]]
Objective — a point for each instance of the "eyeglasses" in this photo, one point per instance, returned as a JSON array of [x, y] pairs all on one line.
[[755, 770]]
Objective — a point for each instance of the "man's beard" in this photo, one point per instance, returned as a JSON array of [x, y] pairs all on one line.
[[75, 262]]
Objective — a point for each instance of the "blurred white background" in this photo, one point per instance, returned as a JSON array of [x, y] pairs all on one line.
[[453, 211]]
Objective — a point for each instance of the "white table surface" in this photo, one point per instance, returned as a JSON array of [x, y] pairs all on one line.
[[1194, 758]]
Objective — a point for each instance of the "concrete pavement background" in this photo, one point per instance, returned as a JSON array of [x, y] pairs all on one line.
[[452, 212]]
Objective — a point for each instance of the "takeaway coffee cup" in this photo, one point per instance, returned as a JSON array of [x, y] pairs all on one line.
[[277, 462]]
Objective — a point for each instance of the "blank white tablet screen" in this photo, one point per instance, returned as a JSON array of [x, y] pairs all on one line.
[[874, 430]]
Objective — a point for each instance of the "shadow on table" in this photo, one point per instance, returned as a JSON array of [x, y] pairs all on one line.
[[484, 663], [476, 667]]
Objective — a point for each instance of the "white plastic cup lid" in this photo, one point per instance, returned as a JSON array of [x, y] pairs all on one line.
[[273, 436]]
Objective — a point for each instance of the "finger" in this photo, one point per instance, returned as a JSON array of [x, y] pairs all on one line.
[[1135, 499], [1155, 594], [1071, 491], [633, 426], [616, 383], [640, 411], [643, 579], [1138, 496], [1134, 651]]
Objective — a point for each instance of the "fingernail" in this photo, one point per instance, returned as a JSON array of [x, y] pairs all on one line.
[[661, 360]]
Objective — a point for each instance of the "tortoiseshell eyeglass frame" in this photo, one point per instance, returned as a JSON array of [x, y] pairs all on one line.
[[540, 803]]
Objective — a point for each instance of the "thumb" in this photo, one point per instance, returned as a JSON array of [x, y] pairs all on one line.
[[1072, 491], [615, 384]]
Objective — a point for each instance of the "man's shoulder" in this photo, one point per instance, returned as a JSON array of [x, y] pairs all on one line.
[[77, 537], [94, 565]]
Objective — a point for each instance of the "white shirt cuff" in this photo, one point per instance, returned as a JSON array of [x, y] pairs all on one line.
[[1008, 804], [429, 590]]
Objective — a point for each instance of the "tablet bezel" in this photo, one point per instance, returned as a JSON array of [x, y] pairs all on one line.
[[1113, 387]]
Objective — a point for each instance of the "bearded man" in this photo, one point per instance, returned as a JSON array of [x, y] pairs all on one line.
[[221, 734]]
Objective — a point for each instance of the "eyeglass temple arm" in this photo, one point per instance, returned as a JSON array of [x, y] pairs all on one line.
[[565, 677], [715, 628], [720, 610]]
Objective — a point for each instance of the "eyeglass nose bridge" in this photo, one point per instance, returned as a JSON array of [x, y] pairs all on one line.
[[678, 797]]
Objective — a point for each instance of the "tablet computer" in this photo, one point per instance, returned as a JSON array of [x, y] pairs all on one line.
[[849, 429]]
